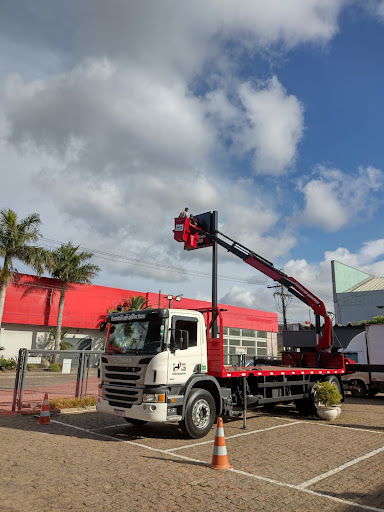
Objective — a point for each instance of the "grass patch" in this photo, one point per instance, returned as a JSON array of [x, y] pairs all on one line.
[[54, 368], [70, 403]]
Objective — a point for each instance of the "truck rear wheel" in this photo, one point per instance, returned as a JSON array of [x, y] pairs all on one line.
[[308, 406], [332, 379], [199, 415], [359, 390]]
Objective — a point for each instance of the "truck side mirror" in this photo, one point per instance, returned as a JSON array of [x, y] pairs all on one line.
[[184, 341], [179, 339]]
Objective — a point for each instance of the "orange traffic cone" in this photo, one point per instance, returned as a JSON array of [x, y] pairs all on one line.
[[45, 415], [220, 457]]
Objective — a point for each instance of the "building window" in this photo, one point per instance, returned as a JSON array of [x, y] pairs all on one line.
[[254, 341], [248, 342]]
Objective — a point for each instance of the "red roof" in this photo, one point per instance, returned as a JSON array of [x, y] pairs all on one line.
[[35, 301]]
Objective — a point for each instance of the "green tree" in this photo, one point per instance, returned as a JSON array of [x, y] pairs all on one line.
[[132, 303], [64, 345], [16, 237], [69, 265], [136, 303], [374, 320]]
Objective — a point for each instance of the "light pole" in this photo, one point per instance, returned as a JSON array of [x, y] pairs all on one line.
[[173, 297]]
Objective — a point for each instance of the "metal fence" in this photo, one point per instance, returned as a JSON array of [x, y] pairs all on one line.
[[73, 373]]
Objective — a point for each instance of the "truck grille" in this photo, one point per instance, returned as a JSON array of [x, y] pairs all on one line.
[[123, 383]]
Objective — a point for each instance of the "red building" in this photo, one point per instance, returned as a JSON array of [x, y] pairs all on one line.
[[31, 308]]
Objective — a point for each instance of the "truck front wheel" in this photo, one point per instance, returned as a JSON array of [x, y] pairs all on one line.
[[199, 415]]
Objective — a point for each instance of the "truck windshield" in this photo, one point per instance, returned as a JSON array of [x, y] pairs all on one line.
[[352, 355], [137, 337]]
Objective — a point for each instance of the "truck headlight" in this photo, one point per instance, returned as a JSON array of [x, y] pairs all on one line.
[[154, 397]]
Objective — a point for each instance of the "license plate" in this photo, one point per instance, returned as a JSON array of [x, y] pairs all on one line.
[[119, 412]]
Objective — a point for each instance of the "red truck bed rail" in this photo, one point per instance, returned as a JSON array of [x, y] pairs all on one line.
[[292, 363]]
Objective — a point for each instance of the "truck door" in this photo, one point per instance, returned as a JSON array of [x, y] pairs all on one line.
[[182, 363]]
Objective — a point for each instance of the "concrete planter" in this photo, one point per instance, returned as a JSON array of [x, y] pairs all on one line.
[[328, 413]]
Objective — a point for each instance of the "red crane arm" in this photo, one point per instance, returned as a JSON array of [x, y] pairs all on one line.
[[324, 339]]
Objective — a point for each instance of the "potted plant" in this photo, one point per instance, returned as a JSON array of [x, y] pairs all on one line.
[[328, 397]]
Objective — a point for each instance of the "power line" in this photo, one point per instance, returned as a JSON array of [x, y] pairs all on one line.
[[97, 253], [158, 266]]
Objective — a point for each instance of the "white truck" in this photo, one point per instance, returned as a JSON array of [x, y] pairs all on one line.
[[366, 348], [162, 365], [168, 365]]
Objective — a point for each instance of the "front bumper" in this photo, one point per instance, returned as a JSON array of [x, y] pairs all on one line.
[[145, 411]]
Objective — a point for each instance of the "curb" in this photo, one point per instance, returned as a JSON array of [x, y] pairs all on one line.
[[73, 410]]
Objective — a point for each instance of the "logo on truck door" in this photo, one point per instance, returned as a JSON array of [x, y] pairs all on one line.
[[179, 367]]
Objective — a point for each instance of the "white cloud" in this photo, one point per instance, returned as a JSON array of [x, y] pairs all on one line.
[[374, 7], [121, 117], [342, 255], [273, 128], [316, 277], [262, 122], [334, 199], [194, 27], [380, 10], [120, 120], [372, 250], [111, 140]]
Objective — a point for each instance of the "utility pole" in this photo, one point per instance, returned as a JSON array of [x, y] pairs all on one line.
[[285, 301]]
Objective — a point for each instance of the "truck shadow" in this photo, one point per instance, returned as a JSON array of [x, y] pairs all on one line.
[[92, 425], [177, 461], [348, 419], [372, 499]]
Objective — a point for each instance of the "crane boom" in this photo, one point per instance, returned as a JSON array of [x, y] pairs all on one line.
[[324, 339]]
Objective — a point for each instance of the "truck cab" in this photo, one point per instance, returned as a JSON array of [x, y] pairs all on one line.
[[151, 358], [358, 382], [366, 348]]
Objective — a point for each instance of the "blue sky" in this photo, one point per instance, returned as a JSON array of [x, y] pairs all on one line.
[[114, 117], [341, 87]]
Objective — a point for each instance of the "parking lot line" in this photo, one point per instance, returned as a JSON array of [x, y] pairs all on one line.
[[235, 435], [301, 487], [133, 443], [307, 491], [340, 468], [380, 432], [108, 426]]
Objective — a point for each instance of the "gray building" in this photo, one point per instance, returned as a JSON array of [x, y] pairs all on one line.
[[357, 295]]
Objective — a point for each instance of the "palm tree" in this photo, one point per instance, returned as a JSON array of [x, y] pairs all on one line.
[[15, 239], [132, 303], [69, 266], [64, 345], [135, 303]]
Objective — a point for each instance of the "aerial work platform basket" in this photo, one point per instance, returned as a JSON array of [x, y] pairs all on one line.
[[183, 234]]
